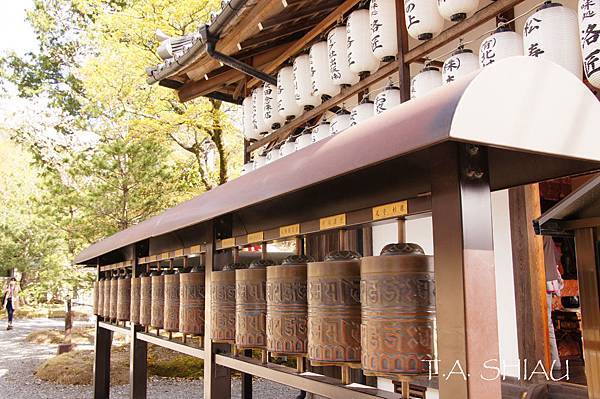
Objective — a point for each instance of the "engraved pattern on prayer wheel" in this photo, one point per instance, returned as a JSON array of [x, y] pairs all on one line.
[[106, 291], [287, 307], [334, 309], [191, 302], [123, 298], [251, 305], [96, 295], [114, 297], [157, 319], [145, 299], [171, 301], [134, 311], [222, 299], [398, 311], [101, 297]]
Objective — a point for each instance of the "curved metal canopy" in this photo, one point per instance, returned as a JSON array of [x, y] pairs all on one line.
[[520, 105]]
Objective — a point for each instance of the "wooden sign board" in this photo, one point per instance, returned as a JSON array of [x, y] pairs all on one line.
[[332, 222], [289, 231], [228, 242], [255, 237], [396, 209]]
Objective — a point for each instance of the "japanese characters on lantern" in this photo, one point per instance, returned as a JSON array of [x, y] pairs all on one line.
[[339, 68], [384, 29], [423, 20], [589, 27], [503, 43], [461, 63], [360, 56]]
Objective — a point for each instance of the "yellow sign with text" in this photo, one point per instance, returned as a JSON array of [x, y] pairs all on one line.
[[332, 222], [255, 237], [289, 231], [228, 242], [387, 211]]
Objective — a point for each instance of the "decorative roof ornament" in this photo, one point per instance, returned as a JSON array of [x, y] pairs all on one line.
[[171, 45]]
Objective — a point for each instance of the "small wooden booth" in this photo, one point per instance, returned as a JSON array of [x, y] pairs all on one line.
[[519, 121]]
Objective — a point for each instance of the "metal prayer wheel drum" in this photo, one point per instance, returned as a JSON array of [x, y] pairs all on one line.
[[222, 299], [95, 296], [114, 297], [398, 311], [251, 305], [191, 302], [287, 307], [134, 308], [334, 309], [106, 292], [171, 318], [145, 299], [123, 298], [100, 297], [157, 319]]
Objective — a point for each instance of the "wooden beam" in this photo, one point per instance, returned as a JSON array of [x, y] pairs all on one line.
[[280, 20], [458, 30], [347, 92], [529, 275], [404, 69], [308, 37]]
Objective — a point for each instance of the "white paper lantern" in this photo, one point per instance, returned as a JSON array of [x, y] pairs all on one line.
[[340, 122], [287, 148], [384, 29], [258, 119], [286, 97], [322, 85], [271, 107], [461, 63], [273, 155], [360, 56], [303, 83], [457, 10], [387, 99], [322, 131], [589, 25], [248, 167], [428, 79], [304, 140], [337, 47], [552, 33], [260, 160], [362, 112], [249, 131], [423, 20], [501, 44]]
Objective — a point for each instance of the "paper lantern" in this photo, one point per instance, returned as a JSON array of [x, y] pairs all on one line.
[[322, 131], [340, 122], [322, 84], [457, 10], [249, 131], [304, 140], [303, 83], [589, 24], [384, 29], [362, 112], [337, 47], [271, 107], [273, 155], [461, 63], [423, 20], [552, 33], [258, 119], [501, 44], [360, 56], [387, 99], [260, 160], [428, 79], [288, 107], [287, 148], [248, 167]]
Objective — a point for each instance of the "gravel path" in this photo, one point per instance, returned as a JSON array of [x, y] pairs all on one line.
[[19, 359]]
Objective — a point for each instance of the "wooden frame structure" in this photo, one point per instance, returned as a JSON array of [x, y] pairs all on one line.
[[445, 176]]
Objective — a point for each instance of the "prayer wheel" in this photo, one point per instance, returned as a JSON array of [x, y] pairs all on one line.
[[106, 295], [134, 310], [334, 309], [397, 292], [287, 307], [191, 302], [222, 299], [145, 299], [251, 305], [114, 297], [123, 297], [96, 295], [157, 319], [171, 301]]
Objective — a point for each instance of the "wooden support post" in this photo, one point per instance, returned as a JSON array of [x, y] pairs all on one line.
[[587, 273], [529, 276], [247, 379], [217, 379], [138, 354], [401, 230], [404, 68], [464, 272], [102, 346], [367, 241]]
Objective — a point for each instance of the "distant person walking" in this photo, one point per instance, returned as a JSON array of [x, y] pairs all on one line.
[[10, 300]]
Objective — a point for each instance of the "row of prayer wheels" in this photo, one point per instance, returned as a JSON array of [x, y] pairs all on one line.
[[377, 313], [169, 300]]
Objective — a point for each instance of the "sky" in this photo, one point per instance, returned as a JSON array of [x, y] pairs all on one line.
[[15, 32]]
